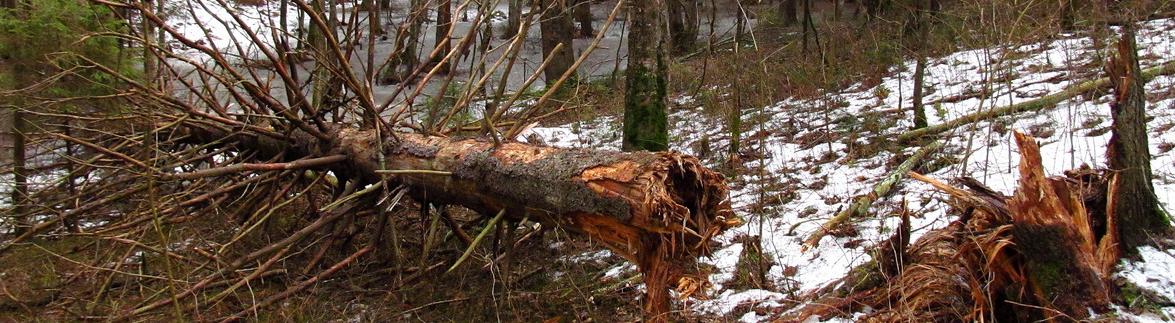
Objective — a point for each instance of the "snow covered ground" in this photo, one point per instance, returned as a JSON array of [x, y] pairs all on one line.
[[803, 177], [808, 172]]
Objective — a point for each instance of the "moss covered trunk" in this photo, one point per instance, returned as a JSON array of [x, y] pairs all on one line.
[[646, 124], [1134, 200]]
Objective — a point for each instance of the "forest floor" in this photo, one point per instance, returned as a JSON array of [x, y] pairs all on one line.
[[802, 160], [805, 159]]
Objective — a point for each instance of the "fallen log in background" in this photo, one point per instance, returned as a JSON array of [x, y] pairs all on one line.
[[1041, 103], [861, 205], [658, 210]]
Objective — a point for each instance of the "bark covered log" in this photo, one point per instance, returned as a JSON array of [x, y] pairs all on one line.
[[658, 210]]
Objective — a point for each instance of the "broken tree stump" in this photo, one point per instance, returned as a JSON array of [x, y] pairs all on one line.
[[1044, 253], [1052, 230]]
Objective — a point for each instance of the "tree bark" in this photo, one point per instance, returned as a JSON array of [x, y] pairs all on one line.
[[150, 64], [658, 210], [646, 125], [513, 18], [409, 57], [683, 38], [583, 16], [919, 78], [444, 22], [325, 83], [1128, 153], [920, 32], [807, 23], [20, 189], [556, 28], [788, 10]]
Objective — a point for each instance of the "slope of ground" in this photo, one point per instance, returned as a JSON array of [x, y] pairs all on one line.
[[806, 159]]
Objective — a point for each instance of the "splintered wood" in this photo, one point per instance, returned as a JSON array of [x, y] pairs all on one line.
[[1018, 258], [658, 210]]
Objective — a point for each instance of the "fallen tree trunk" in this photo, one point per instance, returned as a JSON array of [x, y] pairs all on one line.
[[658, 210], [861, 205], [1041, 103]]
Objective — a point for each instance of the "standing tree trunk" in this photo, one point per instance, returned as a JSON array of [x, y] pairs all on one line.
[[735, 113], [444, 22], [788, 10], [375, 16], [513, 18], [682, 37], [1133, 198], [150, 64], [807, 23], [20, 189], [918, 25], [919, 76], [556, 29], [692, 23], [324, 82], [583, 16], [19, 182], [646, 125], [408, 56], [836, 7]]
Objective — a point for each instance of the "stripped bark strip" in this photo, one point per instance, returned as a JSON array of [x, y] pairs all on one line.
[[472, 245], [861, 205]]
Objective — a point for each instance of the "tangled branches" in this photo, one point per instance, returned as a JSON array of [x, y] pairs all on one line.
[[236, 160]]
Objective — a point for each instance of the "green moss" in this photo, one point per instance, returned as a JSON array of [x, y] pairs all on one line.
[[646, 118], [1139, 299]]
